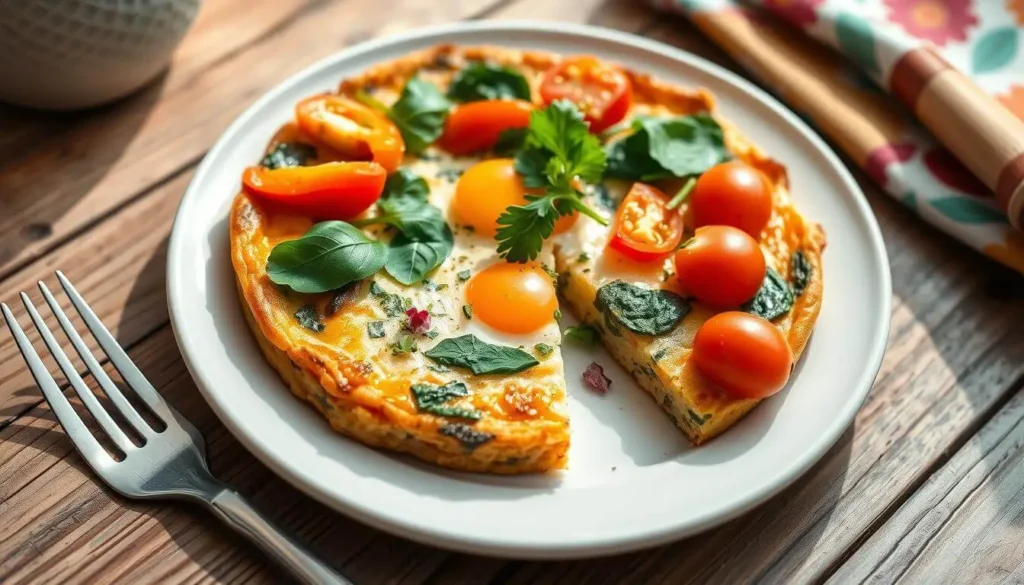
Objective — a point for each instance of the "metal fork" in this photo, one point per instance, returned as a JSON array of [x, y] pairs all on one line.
[[171, 463]]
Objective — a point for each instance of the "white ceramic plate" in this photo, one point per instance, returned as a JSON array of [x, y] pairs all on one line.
[[633, 481]]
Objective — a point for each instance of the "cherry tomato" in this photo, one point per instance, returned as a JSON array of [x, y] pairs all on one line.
[[720, 266], [351, 128], [743, 354], [602, 92], [732, 193], [644, 229], [334, 190], [476, 126]]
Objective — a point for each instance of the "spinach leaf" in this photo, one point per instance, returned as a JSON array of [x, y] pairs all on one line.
[[405, 183], [773, 300], [800, 271], [410, 260], [375, 329], [433, 399], [420, 113], [661, 148], [414, 217], [469, 437], [288, 154], [480, 357], [330, 255], [483, 81], [641, 310], [309, 318]]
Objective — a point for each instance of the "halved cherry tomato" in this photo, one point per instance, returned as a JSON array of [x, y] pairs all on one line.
[[644, 229], [476, 126], [334, 190], [721, 266], [732, 193], [351, 128], [743, 354], [602, 92]]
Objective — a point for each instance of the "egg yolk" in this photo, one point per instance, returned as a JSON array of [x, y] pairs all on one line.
[[513, 298], [487, 189]]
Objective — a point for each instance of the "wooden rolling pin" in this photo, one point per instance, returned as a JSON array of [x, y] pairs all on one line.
[[987, 138]]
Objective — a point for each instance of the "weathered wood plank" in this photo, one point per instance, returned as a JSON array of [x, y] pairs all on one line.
[[964, 524]]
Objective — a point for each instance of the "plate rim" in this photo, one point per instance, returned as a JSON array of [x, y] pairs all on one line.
[[519, 549]]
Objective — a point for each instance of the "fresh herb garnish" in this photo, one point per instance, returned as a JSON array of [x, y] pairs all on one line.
[[774, 298], [410, 260], [463, 275], [510, 140], [558, 314], [404, 344], [543, 349], [467, 310], [484, 81], [392, 304], [419, 113], [288, 154], [641, 310], [375, 329], [584, 334], [309, 318], [800, 271], [661, 148], [559, 155], [469, 437], [328, 256], [339, 297], [433, 399], [480, 357]]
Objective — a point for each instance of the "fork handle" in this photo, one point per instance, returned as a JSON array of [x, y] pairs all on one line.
[[237, 513]]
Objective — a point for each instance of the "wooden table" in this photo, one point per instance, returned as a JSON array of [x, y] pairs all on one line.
[[929, 480]]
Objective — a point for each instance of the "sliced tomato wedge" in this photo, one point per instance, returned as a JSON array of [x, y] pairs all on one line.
[[645, 230], [603, 93], [334, 190], [476, 126], [355, 130]]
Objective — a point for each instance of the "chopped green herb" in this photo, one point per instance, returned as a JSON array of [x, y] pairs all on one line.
[[483, 81], [433, 399], [480, 357], [467, 310], [558, 314], [438, 369], [773, 300], [660, 354], [662, 148], [393, 305], [375, 329], [463, 275], [641, 310], [584, 334], [328, 256], [288, 154], [469, 437], [800, 271], [700, 420], [405, 344], [543, 349], [309, 318], [432, 334], [583, 257]]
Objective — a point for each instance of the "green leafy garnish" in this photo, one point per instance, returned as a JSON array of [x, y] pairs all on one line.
[[560, 156], [433, 399], [543, 349], [584, 334], [409, 260], [661, 148], [404, 344], [480, 357], [405, 183], [641, 310], [467, 310], [288, 154], [391, 303], [419, 113], [375, 329], [328, 256], [510, 140], [483, 81], [309, 318], [800, 271], [774, 298], [469, 437], [463, 275]]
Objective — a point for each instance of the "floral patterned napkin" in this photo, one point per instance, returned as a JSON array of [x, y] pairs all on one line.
[[982, 38]]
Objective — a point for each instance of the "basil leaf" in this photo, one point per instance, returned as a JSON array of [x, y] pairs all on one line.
[[330, 255], [405, 183], [482, 81], [800, 271], [661, 148], [510, 140], [409, 260], [420, 113], [288, 154], [480, 357], [641, 310], [431, 398], [773, 300], [309, 318], [413, 217], [469, 437]]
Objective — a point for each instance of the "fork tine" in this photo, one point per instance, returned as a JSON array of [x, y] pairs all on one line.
[[83, 440], [123, 406], [88, 398], [118, 357]]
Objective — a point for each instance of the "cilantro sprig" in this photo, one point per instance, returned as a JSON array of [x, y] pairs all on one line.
[[560, 156]]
